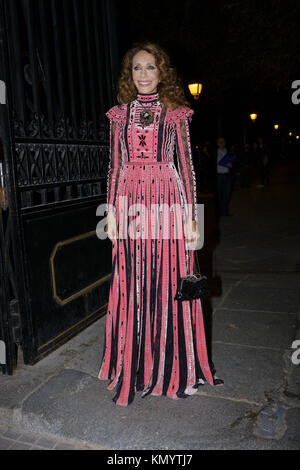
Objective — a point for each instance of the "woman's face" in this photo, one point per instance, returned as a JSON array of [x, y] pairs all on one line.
[[145, 74]]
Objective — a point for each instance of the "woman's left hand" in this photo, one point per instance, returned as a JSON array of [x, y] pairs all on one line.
[[192, 234]]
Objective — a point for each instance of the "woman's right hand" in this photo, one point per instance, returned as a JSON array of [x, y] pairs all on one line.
[[111, 226]]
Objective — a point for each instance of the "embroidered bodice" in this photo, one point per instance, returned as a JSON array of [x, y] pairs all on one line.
[[131, 140]]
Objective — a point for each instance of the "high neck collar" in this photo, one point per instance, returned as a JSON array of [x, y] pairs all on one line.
[[147, 97]]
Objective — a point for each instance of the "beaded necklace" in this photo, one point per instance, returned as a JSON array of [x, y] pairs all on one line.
[[146, 116]]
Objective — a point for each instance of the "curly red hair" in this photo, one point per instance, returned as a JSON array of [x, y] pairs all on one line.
[[170, 88]]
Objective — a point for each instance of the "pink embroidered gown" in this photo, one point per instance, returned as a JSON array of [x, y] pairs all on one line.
[[153, 343]]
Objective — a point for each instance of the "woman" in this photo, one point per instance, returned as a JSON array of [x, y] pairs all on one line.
[[153, 343]]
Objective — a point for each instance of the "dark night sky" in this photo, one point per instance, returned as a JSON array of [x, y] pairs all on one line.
[[246, 54]]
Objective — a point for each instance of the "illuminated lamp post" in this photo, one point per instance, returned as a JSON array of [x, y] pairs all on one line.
[[253, 117], [195, 89]]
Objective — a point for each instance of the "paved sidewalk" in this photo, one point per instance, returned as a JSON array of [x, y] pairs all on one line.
[[14, 438], [254, 323]]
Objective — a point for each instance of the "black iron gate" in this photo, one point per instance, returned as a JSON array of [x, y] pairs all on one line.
[[58, 66]]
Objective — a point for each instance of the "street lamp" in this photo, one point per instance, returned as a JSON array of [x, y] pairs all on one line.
[[290, 134], [276, 126], [297, 137], [195, 89], [253, 117]]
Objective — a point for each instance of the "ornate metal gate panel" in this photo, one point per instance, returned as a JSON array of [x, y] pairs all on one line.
[[58, 68]]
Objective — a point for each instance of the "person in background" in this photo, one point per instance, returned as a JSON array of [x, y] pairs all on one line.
[[208, 168], [262, 163], [245, 162], [224, 178]]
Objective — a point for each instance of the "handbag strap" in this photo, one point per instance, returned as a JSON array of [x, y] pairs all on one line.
[[197, 262]]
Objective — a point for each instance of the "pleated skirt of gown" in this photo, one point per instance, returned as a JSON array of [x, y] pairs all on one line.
[[152, 342]]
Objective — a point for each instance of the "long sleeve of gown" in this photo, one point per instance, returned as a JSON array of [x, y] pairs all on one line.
[[115, 160], [184, 158]]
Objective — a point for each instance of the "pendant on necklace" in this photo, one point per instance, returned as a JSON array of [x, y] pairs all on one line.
[[146, 117]]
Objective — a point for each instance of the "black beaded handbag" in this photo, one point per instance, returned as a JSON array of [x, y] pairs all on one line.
[[192, 286]]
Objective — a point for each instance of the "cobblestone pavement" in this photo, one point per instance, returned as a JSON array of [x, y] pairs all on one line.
[[11, 438]]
